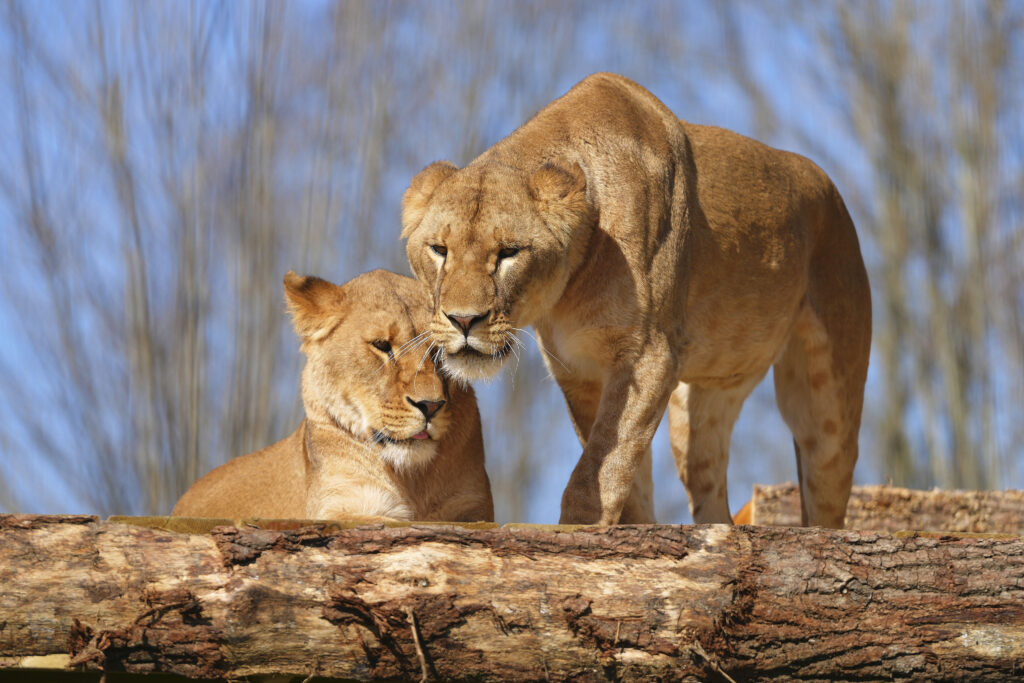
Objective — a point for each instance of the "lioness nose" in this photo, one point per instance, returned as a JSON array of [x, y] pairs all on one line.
[[428, 408], [464, 322]]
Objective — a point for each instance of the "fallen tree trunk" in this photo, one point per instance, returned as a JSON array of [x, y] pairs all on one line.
[[511, 603], [891, 509]]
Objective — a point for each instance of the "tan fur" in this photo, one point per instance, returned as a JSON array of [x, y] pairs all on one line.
[[656, 260], [334, 466]]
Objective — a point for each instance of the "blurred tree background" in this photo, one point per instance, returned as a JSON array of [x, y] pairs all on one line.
[[162, 164]]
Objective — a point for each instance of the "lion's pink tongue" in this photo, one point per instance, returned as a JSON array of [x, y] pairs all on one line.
[[421, 435]]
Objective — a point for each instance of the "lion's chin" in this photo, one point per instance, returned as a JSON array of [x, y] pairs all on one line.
[[409, 454], [469, 365]]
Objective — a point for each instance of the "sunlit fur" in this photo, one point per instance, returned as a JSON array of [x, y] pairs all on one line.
[[654, 258], [369, 360]]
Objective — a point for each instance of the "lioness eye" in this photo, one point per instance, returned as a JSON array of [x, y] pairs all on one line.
[[508, 252], [382, 346], [440, 250]]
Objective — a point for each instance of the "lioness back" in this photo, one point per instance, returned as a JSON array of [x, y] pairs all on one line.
[[385, 437], [270, 483]]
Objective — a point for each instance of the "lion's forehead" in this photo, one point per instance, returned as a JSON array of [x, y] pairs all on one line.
[[388, 293], [397, 325], [481, 207]]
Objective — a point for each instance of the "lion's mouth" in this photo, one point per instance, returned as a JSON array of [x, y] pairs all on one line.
[[469, 363], [471, 352], [381, 437]]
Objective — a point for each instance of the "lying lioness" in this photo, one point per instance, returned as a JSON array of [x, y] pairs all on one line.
[[662, 264], [385, 436]]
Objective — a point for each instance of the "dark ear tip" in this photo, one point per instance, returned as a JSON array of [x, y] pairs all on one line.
[[293, 280], [443, 165], [432, 175], [574, 172]]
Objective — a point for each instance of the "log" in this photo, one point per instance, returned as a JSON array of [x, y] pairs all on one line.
[[511, 603], [891, 509]]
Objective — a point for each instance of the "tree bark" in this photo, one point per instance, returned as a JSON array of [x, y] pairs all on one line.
[[510, 603], [891, 509]]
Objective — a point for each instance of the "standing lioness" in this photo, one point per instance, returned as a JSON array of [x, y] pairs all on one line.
[[385, 436], [662, 264]]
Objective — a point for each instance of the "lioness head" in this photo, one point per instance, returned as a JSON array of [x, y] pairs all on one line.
[[369, 367], [495, 245]]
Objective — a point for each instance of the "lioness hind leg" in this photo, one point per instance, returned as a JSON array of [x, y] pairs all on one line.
[[700, 421], [819, 388]]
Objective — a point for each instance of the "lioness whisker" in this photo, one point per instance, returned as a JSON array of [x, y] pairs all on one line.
[[515, 339], [516, 370], [414, 340], [404, 348], [412, 344], [541, 347], [419, 365], [426, 352], [515, 353]]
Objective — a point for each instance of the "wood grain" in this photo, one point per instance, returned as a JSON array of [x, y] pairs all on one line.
[[889, 508], [511, 603]]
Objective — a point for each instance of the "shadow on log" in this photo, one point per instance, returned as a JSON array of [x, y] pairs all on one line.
[[511, 603]]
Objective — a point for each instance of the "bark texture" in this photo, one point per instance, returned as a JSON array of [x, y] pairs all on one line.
[[512, 603], [891, 509]]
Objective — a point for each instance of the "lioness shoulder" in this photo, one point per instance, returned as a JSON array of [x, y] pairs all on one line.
[[385, 435]]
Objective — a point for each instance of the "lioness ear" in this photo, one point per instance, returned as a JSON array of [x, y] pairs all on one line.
[[561, 195], [316, 305], [421, 189]]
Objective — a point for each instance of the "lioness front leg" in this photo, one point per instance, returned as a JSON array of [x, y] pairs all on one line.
[[618, 449], [583, 397]]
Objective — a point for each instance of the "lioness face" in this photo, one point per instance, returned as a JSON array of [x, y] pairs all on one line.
[[370, 368], [493, 246]]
